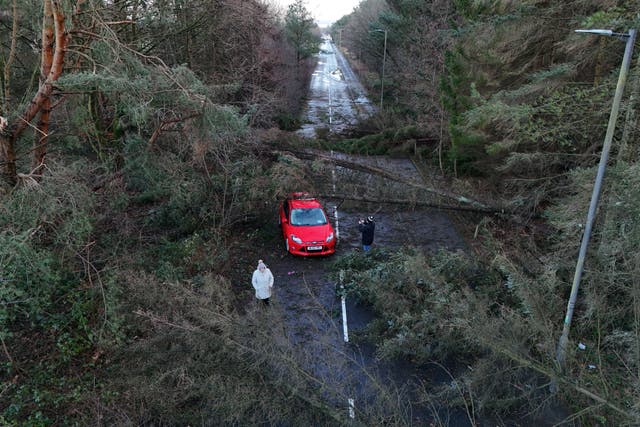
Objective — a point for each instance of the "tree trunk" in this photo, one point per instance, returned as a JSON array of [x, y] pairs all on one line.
[[475, 204], [48, 39], [8, 159], [54, 43], [5, 95], [40, 142], [7, 150]]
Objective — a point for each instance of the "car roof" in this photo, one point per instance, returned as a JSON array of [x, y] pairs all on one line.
[[303, 200], [306, 203]]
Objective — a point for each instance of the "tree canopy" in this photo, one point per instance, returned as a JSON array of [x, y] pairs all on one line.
[[301, 30]]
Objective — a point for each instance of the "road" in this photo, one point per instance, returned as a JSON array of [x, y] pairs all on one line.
[[320, 335], [318, 325], [337, 99], [315, 325]]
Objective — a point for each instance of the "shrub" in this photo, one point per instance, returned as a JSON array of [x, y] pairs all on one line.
[[47, 293], [418, 300]]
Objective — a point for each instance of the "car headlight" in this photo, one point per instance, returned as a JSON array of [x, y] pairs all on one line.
[[296, 239], [329, 237]]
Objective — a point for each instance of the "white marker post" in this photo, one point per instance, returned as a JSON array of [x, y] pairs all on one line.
[[335, 209], [335, 214]]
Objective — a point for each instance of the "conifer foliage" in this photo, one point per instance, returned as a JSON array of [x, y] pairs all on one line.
[[299, 25], [507, 94], [129, 157]]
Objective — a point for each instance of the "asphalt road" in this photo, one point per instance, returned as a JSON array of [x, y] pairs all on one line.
[[337, 99], [318, 325]]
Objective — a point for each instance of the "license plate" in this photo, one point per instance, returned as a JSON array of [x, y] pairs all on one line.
[[314, 248]]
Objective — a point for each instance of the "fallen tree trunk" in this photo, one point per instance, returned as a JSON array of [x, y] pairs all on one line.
[[411, 203], [473, 204]]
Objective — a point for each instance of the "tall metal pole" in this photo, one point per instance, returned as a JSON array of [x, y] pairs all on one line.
[[604, 157], [384, 59]]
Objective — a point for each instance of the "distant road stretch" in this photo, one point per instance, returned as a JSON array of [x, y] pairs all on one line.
[[337, 99]]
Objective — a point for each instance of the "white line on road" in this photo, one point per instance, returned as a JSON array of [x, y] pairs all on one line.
[[352, 406], [330, 102], [344, 318], [333, 177], [345, 330]]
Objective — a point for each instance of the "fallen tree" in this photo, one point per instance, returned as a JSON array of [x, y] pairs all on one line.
[[411, 202], [467, 204]]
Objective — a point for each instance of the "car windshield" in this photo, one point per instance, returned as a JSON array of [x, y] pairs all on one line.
[[312, 216]]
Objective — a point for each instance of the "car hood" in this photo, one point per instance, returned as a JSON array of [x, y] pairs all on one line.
[[312, 232]]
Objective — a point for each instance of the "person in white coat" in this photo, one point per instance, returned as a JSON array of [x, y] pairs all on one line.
[[262, 282]]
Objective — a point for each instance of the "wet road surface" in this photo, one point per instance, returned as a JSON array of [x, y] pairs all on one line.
[[360, 388], [352, 379], [337, 99]]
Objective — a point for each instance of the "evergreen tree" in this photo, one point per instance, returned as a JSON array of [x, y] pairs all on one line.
[[299, 26]]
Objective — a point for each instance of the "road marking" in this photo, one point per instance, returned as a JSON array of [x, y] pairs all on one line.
[[330, 102], [333, 177], [335, 209], [352, 408], [344, 319], [352, 405], [345, 330]]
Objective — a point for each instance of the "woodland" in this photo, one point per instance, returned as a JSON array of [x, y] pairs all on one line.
[[140, 142]]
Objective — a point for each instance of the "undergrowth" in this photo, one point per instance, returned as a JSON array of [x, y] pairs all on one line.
[[498, 324]]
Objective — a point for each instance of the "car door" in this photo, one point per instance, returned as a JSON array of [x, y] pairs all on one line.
[[284, 218]]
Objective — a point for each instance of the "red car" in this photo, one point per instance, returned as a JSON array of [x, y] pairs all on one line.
[[305, 226]]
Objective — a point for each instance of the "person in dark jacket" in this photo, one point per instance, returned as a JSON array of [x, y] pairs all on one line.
[[367, 227]]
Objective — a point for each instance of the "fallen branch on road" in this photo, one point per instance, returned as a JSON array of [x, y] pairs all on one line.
[[410, 202], [474, 204]]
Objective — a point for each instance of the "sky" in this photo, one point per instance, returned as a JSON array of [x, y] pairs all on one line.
[[325, 12]]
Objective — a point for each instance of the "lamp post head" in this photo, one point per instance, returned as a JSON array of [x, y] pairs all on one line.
[[609, 33]]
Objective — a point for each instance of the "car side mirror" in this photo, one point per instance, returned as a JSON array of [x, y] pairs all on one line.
[[285, 220]]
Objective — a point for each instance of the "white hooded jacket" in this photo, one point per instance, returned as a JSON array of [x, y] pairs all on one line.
[[262, 282]]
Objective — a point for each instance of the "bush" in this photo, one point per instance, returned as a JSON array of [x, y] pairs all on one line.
[[453, 309], [417, 299], [47, 293], [286, 121], [196, 359]]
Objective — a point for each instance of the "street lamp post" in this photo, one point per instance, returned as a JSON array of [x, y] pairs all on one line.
[[384, 59], [629, 38]]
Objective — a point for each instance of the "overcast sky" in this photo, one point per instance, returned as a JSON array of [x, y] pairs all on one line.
[[325, 12]]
